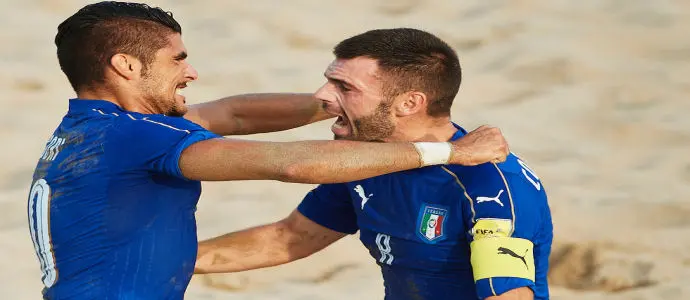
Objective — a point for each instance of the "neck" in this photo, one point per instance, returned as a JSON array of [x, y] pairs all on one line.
[[127, 101], [423, 130]]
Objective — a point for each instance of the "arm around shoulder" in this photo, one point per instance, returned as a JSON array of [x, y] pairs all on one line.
[[326, 161], [303, 162]]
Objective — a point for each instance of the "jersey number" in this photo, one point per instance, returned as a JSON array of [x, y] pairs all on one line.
[[383, 241], [39, 226], [532, 177]]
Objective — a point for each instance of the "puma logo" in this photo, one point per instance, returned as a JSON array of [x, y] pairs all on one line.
[[360, 191], [489, 199], [502, 250]]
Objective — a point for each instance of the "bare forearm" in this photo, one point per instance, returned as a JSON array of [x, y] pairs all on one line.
[[257, 113], [274, 112], [303, 162], [293, 238], [331, 161], [253, 248]]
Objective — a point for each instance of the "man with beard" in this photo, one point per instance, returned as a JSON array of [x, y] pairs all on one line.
[[112, 202], [439, 232]]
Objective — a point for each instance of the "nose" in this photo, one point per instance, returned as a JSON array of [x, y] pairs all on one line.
[[191, 73], [329, 98], [324, 94]]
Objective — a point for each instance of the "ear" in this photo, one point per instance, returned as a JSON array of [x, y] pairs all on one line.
[[126, 66], [410, 103]]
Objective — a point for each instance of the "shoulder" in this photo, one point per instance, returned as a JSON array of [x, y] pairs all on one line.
[[149, 136], [159, 123], [480, 178], [490, 176], [496, 189], [152, 128]]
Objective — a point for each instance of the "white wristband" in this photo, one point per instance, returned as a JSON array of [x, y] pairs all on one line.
[[433, 153]]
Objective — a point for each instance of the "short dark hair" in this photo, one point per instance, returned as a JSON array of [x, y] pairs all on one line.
[[87, 40], [410, 59]]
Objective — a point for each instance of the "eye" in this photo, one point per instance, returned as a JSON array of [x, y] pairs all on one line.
[[342, 86], [180, 56]]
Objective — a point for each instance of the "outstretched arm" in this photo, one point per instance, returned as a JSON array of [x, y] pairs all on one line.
[[331, 161], [273, 244], [257, 113]]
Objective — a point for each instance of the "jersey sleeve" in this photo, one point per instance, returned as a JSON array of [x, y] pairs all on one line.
[[155, 145], [503, 230], [330, 206]]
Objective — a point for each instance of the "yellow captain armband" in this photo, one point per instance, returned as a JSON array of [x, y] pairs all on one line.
[[495, 254]]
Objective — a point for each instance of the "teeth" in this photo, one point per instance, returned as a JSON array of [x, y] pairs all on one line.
[[341, 123], [179, 92]]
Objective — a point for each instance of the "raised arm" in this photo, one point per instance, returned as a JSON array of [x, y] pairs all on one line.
[[269, 245], [257, 113], [331, 161]]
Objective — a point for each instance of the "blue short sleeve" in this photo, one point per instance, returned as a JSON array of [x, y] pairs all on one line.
[[506, 207], [330, 205], [154, 143], [525, 204]]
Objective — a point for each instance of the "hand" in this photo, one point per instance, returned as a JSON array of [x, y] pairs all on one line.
[[482, 145]]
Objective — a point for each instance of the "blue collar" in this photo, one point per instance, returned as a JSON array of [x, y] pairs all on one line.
[[77, 105], [458, 134]]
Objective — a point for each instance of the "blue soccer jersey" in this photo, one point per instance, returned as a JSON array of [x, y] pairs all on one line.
[[110, 214], [446, 232]]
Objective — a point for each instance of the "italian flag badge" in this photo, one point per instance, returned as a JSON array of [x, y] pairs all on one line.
[[432, 219]]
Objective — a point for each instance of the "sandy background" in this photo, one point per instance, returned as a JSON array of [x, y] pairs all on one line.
[[593, 95]]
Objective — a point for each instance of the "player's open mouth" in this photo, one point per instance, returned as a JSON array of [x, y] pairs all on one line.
[[179, 88], [341, 122], [179, 92], [341, 127]]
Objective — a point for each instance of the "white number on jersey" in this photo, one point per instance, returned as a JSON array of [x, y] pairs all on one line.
[[534, 179], [39, 226], [383, 241]]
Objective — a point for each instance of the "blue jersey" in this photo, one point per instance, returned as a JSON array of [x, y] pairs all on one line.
[[446, 232], [110, 214]]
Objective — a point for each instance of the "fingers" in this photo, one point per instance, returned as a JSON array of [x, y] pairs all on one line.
[[494, 133], [495, 139], [486, 144], [499, 160], [503, 150]]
